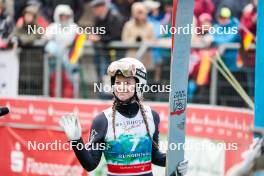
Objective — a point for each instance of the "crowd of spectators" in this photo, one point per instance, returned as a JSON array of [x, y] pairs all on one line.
[[131, 21]]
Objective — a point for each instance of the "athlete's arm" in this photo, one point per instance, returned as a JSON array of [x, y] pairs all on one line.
[[158, 158], [90, 158]]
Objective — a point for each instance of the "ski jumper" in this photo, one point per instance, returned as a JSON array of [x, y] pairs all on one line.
[[133, 151]]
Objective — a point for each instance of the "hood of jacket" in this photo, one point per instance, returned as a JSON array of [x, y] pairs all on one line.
[[62, 9]]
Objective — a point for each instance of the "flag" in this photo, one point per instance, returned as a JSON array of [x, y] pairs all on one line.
[[204, 69], [247, 40], [76, 49], [239, 61]]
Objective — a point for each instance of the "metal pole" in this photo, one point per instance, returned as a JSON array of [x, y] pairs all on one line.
[[213, 86], [141, 51], [76, 85], [46, 76], [58, 77]]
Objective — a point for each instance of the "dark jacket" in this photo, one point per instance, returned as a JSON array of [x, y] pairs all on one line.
[[6, 26], [124, 7], [113, 24]]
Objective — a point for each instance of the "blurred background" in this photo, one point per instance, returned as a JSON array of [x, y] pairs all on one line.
[[134, 32], [39, 70]]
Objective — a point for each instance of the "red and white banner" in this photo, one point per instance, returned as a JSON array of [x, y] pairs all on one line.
[[36, 152], [34, 122]]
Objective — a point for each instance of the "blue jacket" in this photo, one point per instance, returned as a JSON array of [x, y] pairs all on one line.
[[228, 33]]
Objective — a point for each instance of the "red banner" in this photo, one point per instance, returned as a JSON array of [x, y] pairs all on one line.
[[33, 122], [36, 152]]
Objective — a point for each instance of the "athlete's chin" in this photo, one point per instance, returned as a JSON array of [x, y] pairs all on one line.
[[123, 97]]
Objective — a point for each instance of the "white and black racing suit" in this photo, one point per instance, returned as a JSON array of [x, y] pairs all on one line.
[[133, 151]]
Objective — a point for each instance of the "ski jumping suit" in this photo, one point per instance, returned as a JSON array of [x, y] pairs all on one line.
[[132, 152]]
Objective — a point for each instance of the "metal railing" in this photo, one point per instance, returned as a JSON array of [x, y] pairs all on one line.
[[141, 48]]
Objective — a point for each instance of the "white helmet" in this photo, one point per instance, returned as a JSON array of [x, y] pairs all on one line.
[[130, 67]]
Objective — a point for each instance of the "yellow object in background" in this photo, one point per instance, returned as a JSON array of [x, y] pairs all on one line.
[[76, 49]]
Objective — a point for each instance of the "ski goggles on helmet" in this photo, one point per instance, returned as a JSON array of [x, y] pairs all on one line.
[[124, 68]]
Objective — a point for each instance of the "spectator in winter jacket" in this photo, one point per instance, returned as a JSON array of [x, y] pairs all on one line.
[[61, 31], [203, 6], [40, 20], [60, 36], [154, 18], [248, 27], [23, 33], [226, 30], [108, 23], [249, 16], [6, 27], [138, 29], [107, 18]]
